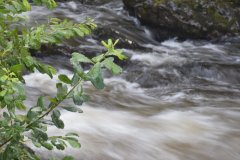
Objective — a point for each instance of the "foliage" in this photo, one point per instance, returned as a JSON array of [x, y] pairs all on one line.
[[15, 42]]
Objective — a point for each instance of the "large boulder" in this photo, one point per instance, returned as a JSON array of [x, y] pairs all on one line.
[[194, 19]]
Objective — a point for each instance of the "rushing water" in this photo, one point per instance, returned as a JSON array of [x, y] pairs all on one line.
[[174, 101]]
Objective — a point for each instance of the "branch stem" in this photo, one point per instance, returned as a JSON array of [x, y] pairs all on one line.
[[52, 106]]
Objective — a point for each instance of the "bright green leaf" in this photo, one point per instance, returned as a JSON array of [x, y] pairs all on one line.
[[95, 76], [109, 64], [79, 58], [56, 119], [64, 79], [73, 142], [68, 158]]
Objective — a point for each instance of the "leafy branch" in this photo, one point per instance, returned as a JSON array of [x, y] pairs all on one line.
[[15, 58]]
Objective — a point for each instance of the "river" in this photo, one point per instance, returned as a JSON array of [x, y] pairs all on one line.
[[174, 101]]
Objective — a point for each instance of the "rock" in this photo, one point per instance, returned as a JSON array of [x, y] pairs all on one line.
[[94, 2], [194, 19], [89, 2], [106, 32]]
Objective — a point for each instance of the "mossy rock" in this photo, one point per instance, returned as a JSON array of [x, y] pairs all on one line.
[[194, 19]]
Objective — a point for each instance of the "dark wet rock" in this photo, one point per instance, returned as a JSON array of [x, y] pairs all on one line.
[[183, 74], [89, 2], [194, 19], [148, 77], [84, 46], [105, 32], [95, 2], [68, 47]]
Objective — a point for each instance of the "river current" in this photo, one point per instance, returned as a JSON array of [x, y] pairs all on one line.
[[174, 101]]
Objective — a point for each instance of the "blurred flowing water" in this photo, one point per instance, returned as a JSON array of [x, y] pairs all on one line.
[[174, 101]]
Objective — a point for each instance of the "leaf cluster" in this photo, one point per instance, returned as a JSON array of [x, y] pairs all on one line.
[[16, 40]]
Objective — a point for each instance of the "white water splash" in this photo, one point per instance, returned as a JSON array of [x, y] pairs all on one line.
[[118, 135], [152, 59]]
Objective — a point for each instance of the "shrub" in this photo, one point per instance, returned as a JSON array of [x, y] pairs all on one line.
[[15, 42]]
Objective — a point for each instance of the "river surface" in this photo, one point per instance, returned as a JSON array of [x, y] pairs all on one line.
[[174, 101]]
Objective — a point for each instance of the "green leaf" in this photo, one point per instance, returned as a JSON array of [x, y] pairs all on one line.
[[68, 158], [95, 76], [73, 142], [84, 29], [60, 144], [78, 32], [110, 42], [62, 90], [47, 145], [53, 100], [109, 64], [3, 93], [105, 44], [78, 58], [18, 68], [5, 115], [75, 79], [21, 118], [34, 112], [39, 134], [118, 53], [3, 78], [64, 79], [26, 5], [98, 58], [20, 105], [49, 70], [77, 98], [72, 134], [40, 102], [116, 42], [73, 109], [36, 144], [56, 119], [19, 89]]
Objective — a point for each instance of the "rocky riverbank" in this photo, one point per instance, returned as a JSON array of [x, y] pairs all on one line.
[[188, 19]]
